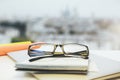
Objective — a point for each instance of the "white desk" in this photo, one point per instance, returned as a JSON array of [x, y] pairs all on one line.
[[105, 66]]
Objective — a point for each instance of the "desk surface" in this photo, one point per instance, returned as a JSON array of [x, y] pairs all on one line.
[[106, 65]]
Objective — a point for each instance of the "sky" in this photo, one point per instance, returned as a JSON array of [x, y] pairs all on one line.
[[40, 8]]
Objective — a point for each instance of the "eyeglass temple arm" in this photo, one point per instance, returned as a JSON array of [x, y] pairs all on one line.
[[62, 55], [37, 58], [34, 59]]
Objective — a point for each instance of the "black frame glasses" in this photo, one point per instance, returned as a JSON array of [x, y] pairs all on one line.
[[31, 50]]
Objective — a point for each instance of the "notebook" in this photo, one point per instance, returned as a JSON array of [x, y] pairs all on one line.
[[65, 65], [21, 56]]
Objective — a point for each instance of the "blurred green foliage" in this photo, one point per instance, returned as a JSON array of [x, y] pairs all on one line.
[[20, 39]]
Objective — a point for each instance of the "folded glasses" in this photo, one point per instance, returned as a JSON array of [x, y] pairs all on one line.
[[44, 50]]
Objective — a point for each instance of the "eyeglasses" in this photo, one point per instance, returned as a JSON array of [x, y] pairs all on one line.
[[44, 50]]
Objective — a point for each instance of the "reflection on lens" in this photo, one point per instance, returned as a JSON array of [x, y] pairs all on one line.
[[47, 47], [44, 49], [73, 48]]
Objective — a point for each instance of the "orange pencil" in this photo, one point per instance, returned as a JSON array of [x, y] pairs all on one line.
[[5, 48]]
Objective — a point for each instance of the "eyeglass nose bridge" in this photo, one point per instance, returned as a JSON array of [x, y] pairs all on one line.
[[58, 53]]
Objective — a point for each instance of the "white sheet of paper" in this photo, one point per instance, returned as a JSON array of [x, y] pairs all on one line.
[[108, 54]]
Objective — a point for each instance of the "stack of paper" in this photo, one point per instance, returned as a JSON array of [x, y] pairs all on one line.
[[22, 57]]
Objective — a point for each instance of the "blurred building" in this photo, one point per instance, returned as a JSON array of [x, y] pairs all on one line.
[[69, 27], [4, 39], [7, 33], [97, 33]]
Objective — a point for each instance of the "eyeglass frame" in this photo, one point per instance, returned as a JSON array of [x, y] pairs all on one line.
[[61, 46]]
